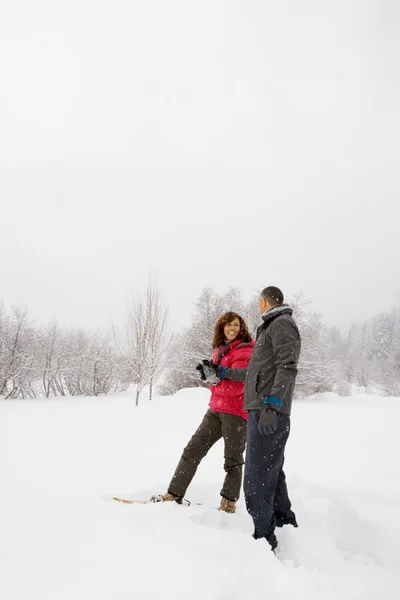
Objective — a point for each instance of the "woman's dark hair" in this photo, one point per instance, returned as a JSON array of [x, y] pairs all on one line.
[[219, 337]]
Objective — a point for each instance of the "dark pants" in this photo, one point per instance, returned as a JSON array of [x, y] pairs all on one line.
[[265, 490], [214, 426]]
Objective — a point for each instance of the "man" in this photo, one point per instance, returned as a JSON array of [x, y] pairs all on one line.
[[269, 386]]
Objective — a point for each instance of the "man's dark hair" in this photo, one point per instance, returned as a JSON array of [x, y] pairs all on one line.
[[273, 295]]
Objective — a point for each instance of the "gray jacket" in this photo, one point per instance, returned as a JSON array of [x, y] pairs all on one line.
[[272, 368]]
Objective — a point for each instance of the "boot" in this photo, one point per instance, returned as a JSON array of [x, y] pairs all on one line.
[[228, 506], [281, 521], [168, 497]]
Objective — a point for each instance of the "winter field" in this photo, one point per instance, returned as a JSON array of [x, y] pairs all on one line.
[[62, 537]]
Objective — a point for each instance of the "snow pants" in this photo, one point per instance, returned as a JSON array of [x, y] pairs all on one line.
[[214, 426], [265, 489]]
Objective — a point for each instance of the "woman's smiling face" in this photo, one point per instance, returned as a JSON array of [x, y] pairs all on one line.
[[231, 330]]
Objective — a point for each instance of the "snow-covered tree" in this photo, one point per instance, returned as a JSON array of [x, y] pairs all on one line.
[[18, 355], [160, 337], [195, 343], [50, 343], [144, 339], [317, 364]]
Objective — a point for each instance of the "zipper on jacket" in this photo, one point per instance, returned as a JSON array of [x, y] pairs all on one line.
[[257, 380]]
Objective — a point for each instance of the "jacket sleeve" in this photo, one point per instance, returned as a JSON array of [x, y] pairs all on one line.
[[236, 374], [286, 344]]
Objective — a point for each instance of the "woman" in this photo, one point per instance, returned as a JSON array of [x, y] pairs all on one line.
[[225, 418]]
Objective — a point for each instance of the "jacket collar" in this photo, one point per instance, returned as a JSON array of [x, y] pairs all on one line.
[[251, 343], [231, 345], [275, 311]]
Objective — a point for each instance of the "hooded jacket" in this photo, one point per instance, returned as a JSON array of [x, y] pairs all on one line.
[[273, 366]]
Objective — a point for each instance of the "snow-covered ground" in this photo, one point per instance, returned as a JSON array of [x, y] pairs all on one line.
[[62, 537]]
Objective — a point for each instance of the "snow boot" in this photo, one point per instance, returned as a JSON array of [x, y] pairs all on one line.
[[271, 541], [280, 522], [166, 498], [228, 506]]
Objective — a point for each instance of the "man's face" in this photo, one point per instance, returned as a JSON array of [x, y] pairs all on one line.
[[263, 305]]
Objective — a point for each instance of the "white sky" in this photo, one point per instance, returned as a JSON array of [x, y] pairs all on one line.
[[237, 142]]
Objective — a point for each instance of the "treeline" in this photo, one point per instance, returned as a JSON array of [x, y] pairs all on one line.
[[368, 357], [141, 351], [51, 361]]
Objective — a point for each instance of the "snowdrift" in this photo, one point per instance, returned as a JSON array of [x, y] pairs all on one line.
[[62, 537]]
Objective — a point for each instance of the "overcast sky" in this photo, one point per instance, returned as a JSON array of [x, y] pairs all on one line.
[[236, 142]]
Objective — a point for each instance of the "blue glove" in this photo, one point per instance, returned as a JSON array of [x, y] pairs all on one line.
[[273, 401], [221, 372]]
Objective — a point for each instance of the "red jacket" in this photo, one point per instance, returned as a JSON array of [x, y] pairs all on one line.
[[228, 396]]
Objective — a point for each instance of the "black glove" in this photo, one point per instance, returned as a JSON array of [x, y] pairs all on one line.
[[200, 369], [208, 372], [211, 372], [268, 421]]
